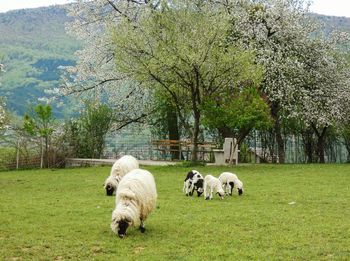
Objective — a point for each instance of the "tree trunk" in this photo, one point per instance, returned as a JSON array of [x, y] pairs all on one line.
[[278, 132], [320, 149], [41, 153], [194, 157], [321, 141], [173, 131], [47, 152], [308, 145]]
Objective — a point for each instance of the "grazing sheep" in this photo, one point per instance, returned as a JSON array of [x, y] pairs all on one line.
[[135, 200], [121, 167], [229, 181], [212, 184], [193, 181]]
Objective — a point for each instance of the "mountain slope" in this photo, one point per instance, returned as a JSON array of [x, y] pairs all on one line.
[[33, 44]]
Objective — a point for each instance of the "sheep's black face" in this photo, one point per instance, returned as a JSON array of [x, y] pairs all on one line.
[[240, 192], [109, 190], [122, 227], [200, 192], [221, 195]]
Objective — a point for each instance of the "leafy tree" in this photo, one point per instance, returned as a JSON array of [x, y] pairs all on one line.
[[86, 135], [275, 30], [41, 125], [181, 48], [236, 115], [3, 114], [323, 98]]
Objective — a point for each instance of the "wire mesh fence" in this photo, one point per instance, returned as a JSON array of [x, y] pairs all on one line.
[[24, 154]]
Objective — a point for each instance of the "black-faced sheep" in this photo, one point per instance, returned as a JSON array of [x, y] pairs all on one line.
[[193, 181], [229, 181], [135, 200], [119, 169], [212, 184]]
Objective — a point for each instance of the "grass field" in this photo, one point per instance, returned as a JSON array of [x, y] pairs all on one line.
[[64, 214]]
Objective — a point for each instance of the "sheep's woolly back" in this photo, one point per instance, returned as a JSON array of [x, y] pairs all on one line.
[[213, 183], [124, 165], [136, 197], [227, 177], [120, 168]]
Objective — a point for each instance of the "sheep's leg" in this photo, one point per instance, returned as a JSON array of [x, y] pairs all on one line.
[[224, 186], [142, 226], [206, 196], [231, 187], [191, 189], [185, 188], [211, 193]]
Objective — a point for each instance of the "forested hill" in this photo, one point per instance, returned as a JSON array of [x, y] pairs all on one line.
[[332, 23], [33, 43]]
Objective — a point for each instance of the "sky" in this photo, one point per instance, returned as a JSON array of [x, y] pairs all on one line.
[[327, 7]]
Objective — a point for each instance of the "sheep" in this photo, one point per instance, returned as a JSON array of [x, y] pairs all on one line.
[[229, 181], [193, 181], [121, 167], [212, 184], [135, 200]]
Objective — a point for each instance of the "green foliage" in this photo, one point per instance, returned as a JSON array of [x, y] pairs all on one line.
[[41, 123], [86, 135], [64, 214], [243, 110], [173, 47], [41, 126]]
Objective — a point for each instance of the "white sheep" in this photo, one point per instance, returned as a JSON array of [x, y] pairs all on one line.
[[212, 184], [121, 167], [135, 200], [193, 181], [229, 181]]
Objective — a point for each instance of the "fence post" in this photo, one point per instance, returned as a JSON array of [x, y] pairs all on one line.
[[17, 155]]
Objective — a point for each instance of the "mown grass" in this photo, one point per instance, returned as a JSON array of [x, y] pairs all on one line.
[[64, 214]]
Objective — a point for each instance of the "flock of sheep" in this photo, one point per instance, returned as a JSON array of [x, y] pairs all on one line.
[[136, 192]]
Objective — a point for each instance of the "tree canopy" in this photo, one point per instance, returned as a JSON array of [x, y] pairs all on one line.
[[182, 48]]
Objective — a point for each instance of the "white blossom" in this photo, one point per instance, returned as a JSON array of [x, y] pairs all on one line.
[[95, 73]]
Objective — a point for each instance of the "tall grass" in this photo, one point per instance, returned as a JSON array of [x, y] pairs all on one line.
[[288, 212]]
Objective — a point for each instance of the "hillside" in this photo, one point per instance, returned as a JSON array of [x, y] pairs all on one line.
[[332, 23], [33, 43]]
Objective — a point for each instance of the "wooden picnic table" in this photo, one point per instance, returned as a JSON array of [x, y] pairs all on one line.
[[181, 149]]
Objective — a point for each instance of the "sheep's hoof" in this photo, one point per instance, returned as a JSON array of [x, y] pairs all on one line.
[[142, 229], [121, 235], [207, 198], [187, 194]]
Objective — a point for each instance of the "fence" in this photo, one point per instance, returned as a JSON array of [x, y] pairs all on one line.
[[22, 155]]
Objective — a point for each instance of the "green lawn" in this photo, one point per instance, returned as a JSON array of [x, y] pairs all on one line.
[[64, 214]]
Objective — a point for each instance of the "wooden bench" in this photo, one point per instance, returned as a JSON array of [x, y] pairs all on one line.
[[180, 150]]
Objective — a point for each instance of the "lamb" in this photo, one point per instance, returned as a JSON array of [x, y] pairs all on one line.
[[135, 200], [229, 181], [193, 181], [212, 184], [121, 167]]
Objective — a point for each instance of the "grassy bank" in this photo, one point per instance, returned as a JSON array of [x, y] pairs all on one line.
[[288, 212]]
